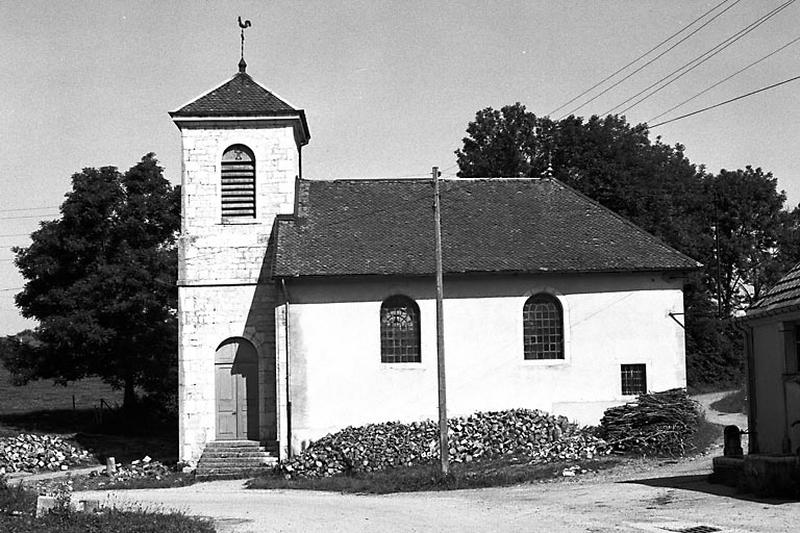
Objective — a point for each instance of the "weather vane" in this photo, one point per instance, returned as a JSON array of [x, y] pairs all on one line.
[[243, 25]]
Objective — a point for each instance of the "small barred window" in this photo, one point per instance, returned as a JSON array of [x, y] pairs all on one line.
[[543, 328], [238, 183], [400, 339], [634, 379]]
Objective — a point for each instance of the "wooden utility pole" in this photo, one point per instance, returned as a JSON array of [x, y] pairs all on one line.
[[437, 217]]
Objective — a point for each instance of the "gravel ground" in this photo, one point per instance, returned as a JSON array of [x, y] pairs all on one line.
[[640, 497], [654, 496]]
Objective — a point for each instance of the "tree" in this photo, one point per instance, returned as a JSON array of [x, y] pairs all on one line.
[[749, 220], [101, 280]]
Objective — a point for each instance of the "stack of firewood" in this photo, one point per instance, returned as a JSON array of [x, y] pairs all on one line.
[[660, 423]]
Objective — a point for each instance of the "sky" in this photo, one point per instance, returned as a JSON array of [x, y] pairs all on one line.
[[388, 87]]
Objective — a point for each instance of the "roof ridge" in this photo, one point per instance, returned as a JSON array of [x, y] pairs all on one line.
[[425, 179]]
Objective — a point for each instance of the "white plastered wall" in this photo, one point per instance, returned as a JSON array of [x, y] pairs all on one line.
[[337, 378], [777, 398]]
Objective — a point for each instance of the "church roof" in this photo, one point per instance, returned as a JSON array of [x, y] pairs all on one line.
[[784, 296], [385, 227], [239, 96]]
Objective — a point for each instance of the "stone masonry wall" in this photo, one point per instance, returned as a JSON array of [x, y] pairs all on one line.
[[212, 252], [222, 292], [208, 316]]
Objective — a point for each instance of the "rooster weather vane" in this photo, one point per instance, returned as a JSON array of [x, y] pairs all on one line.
[[243, 26]]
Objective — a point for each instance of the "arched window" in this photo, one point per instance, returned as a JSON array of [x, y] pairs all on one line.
[[400, 330], [238, 183], [543, 327]]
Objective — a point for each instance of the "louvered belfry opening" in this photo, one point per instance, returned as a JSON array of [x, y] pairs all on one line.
[[238, 183]]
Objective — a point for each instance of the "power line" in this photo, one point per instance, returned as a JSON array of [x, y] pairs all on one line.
[[565, 104], [601, 93], [15, 235], [704, 91], [11, 289], [751, 93], [17, 209], [699, 60], [20, 217]]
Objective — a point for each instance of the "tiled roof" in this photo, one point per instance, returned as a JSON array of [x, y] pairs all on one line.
[[783, 296], [385, 227], [240, 96]]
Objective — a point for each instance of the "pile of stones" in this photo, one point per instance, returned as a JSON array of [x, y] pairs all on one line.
[[28, 452], [138, 469], [537, 435]]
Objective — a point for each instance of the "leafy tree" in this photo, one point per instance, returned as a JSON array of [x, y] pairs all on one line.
[[101, 280], [748, 216], [506, 143]]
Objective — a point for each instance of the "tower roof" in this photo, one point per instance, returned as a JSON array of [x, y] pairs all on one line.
[[241, 96]]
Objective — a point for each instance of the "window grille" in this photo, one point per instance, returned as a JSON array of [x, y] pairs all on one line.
[[238, 183], [634, 379], [400, 339], [543, 328]]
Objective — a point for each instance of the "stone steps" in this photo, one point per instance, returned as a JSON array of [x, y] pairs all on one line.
[[234, 459]]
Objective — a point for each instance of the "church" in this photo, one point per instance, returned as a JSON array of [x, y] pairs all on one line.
[[306, 306]]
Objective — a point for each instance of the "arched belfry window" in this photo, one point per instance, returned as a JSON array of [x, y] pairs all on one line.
[[543, 327], [238, 183], [400, 340]]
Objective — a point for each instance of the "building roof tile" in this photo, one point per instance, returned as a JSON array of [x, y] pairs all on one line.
[[783, 296], [385, 227], [239, 96]]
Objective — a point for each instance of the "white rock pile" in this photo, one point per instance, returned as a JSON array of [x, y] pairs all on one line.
[[537, 435], [29, 452], [138, 469]]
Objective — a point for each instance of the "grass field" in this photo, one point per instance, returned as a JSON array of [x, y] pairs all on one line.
[[41, 407], [43, 395]]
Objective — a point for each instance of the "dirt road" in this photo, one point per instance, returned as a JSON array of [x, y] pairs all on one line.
[[633, 501], [642, 496]]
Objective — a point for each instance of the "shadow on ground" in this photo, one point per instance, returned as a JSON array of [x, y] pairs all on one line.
[[699, 483], [103, 437], [125, 448], [58, 421]]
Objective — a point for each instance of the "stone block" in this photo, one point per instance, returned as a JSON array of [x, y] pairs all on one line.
[[45, 504]]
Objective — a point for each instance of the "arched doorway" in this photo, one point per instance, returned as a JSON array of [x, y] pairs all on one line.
[[236, 384]]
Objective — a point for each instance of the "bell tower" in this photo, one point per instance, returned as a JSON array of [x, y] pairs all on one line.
[[241, 147]]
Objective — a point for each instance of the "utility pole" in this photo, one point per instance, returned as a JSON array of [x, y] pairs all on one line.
[[437, 218], [716, 250]]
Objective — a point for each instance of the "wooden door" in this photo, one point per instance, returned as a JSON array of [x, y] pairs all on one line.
[[236, 384], [227, 402]]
